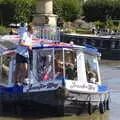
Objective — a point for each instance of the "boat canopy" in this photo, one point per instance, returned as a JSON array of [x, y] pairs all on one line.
[[47, 46]]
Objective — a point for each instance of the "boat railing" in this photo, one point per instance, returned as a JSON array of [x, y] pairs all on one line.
[[47, 33]]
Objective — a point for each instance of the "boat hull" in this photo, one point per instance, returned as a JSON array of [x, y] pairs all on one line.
[[49, 102]]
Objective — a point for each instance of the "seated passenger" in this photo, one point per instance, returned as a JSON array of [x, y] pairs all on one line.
[[48, 72], [70, 71], [91, 77], [59, 75], [58, 69]]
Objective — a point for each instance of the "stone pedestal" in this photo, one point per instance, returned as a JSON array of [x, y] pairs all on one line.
[[44, 13]]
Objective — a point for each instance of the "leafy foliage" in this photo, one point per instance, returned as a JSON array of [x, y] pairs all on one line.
[[101, 10], [16, 10], [3, 30], [23, 9], [68, 10], [6, 12], [99, 24]]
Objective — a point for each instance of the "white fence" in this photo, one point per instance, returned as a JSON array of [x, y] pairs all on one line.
[[47, 33]]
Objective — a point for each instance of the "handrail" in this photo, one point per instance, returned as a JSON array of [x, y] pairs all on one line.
[[47, 33]]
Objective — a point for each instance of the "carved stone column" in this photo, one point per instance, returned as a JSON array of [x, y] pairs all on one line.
[[44, 13]]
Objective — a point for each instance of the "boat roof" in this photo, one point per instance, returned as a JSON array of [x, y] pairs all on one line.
[[8, 45]]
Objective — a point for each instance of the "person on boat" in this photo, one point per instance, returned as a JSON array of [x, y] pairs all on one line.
[[59, 75], [48, 69], [59, 69], [91, 77], [22, 56], [22, 29], [70, 71], [12, 31]]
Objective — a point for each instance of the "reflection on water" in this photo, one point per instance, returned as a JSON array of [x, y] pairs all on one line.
[[83, 117], [95, 116], [110, 73]]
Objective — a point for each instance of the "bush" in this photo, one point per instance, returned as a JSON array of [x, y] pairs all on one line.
[[99, 24], [68, 10], [15, 11], [3, 30], [101, 10]]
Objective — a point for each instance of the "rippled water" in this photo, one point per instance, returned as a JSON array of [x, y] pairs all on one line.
[[110, 73]]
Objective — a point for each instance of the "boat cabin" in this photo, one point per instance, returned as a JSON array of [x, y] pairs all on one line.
[[59, 75], [55, 62]]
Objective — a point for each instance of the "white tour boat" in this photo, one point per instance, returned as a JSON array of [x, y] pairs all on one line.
[[61, 76]]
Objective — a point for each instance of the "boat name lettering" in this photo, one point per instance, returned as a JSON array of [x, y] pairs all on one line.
[[83, 86], [48, 85], [90, 87]]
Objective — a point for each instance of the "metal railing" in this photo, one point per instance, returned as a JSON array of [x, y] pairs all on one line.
[[47, 33]]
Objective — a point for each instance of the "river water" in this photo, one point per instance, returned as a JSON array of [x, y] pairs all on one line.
[[110, 73]]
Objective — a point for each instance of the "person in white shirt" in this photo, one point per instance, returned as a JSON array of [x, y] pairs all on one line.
[[22, 56], [22, 29]]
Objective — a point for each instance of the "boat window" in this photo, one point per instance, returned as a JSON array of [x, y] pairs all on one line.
[[59, 65], [44, 65], [4, 69], [91, 68], [70, 65]]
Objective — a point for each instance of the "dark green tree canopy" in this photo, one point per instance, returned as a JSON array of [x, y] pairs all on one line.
[[101, 10], [16, 10], [68, 10]]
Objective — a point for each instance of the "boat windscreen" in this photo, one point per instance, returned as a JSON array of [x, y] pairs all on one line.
[[91, 68], [43, 65], [70, 64]]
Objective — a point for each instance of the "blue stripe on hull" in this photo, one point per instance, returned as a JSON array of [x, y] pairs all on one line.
[[11, 89]]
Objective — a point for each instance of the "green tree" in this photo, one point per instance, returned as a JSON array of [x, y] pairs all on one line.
[[23, 9], [16, 10], [101, 10], [6, 12], [68, 10]]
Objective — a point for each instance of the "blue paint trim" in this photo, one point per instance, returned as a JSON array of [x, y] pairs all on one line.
[[102, 88], [92, 50], [41, 47], [13, 89], [19, 89]]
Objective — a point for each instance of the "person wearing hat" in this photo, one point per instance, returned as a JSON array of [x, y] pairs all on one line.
[[22, 29]]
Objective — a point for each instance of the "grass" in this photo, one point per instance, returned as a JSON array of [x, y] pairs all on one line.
[[82, 31]]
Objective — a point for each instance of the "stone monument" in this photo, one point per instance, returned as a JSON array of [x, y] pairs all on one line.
[[44, 13]]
